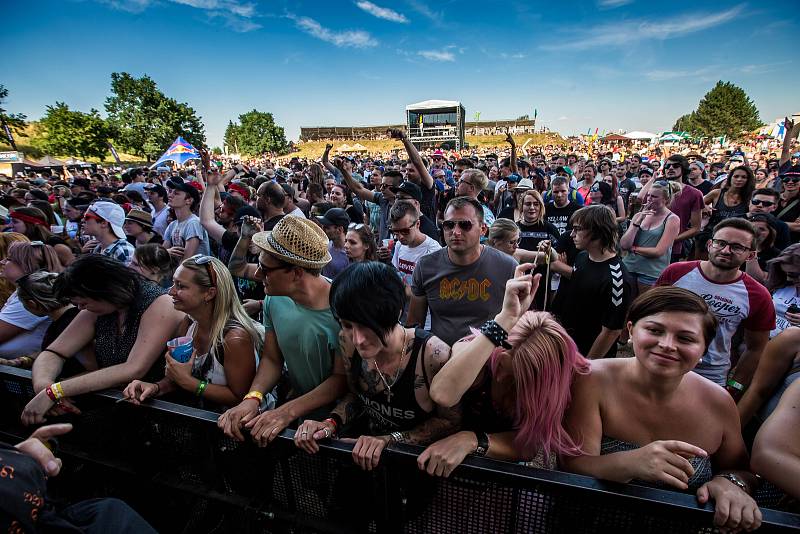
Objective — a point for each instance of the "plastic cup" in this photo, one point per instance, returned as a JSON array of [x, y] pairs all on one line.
[[180, 348]]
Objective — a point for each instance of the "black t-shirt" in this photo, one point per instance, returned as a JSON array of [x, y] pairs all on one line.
[[626, 187], [269, 224], [559, 217], [532, 234], [428, 204], [428, 227], [790, 212], [598, 295], [246, 289], [704, 187]]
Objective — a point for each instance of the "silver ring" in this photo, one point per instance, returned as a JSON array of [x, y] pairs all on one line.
[[303, 433], [327, 432]]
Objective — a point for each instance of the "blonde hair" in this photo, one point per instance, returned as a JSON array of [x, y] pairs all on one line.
[[501, 230], [6, 239], [227, 307], [538, 196]]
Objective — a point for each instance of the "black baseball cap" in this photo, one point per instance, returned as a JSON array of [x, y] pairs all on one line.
[[335, 217], [409, 188], [190, 190]]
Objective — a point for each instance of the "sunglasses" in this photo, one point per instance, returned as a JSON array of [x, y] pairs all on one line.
[[765, 203], [790, 179], [354, 226], [404, 231], [92, 215], [201, 259], [672, 165], [465, 226], [269, 270]]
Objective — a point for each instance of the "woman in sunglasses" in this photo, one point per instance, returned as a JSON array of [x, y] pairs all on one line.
[[225, 340], [128, 319], [789, 207], [359, 243], [21, 332]]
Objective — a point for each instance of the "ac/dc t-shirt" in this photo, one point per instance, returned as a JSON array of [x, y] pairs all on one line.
[[740, 302], [598, 295], [460, 296]]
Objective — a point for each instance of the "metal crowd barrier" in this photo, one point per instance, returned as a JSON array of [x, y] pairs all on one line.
[[172, 464]]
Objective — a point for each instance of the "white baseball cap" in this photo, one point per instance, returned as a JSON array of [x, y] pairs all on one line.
[[111, 213]]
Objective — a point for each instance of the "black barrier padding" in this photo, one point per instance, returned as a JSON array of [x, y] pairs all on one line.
[[174, 466]]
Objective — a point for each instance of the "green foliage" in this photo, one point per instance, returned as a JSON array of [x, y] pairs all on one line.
[[216, 151], [256, 134], [724, 110], [145, 120], [15, 121], [70, 133]]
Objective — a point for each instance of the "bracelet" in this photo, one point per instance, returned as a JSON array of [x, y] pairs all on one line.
[[735, 480], [396, 437], [56, 353], [483, 444], [496, 334], [158, 388], [51, 394], [201, 387], [337, 420], [254, 395], [27, 360], [332, 422], [636, 225]]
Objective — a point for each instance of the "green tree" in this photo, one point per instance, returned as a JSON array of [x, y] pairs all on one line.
[[145, 120], [217, 151], [69, 132], [231, 137], [724, 110], [685, 123], [258, 134], [14, 121]]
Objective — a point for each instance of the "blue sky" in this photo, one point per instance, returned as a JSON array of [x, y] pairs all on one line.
[[608, 64]]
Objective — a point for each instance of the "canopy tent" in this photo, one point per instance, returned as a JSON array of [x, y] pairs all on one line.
[[180, 152], [344, 148], [671, 137], [358, 147], [615, 137], [50, 161], [433, 104], [637, 135], [75, 161]]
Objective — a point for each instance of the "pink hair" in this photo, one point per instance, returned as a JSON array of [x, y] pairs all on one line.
[[544, 360]]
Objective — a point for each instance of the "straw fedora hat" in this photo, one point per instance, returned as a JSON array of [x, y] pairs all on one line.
[[297, 241]]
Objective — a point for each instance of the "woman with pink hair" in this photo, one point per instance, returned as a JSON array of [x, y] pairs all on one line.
[[514, 391]]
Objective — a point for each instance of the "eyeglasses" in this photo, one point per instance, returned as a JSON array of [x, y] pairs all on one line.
[[464, 226], [515, 242], [463, 181], [383, 186], [765, 203], [669, 165], [404, 231], [354, 226], [201, 259], [736, 248]]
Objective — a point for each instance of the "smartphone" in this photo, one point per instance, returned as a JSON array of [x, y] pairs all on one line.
[[794, 308]]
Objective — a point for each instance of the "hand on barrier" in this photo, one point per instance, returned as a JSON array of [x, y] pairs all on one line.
[[310, 432], [137, 391], [266, 427], [440, 458], [734, 510], [232, 420], [666, 462], [36, 447], [367, 450]]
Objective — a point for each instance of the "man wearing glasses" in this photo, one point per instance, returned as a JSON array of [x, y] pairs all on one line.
[[462, 284], [412, 244], [765, 201], [734, 297]]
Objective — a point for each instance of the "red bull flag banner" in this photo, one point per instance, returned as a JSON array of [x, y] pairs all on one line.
[[180, 152]]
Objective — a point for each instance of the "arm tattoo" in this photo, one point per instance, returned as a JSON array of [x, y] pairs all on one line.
[[349, 408], [445, 422], [238, 259]]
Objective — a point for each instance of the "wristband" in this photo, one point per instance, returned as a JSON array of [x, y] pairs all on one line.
[[636, 225], [254, 395], [736, 385], [483, 444], [58, 391], [201, 387], [496, 334], [337, 420], [332, 422], [51, 394]]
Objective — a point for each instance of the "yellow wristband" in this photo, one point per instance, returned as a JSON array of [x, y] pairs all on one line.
[[254, 395], [58, 390]]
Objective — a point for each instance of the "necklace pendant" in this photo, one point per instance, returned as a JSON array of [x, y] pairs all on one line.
[[389, 394]]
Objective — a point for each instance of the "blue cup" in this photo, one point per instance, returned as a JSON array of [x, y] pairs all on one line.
[[180, 348]]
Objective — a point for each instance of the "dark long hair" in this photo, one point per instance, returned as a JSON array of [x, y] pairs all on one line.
[[99, 277]]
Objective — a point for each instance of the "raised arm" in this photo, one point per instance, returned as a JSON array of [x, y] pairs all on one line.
[[413, 155], [215, 182], [510, 141], [354, 185], [326, 162], [791, 130], [237, 264]]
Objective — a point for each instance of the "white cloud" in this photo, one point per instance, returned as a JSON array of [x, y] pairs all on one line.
[[563, 118], [625, 33], [611, 4], [437, 55], [381, 12], [348, 38], [424, 10], [713, 72], [235, 13]]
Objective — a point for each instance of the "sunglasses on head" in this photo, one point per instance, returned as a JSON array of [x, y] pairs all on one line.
[[201, 259], [355, 226], [466, 226]]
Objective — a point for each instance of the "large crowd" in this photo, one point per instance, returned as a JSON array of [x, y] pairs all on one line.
[[631, 315]]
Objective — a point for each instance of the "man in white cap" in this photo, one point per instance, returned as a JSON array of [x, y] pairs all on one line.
[[301, 332], [103, 221]]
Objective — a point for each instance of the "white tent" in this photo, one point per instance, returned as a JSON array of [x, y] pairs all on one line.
[[671, 138], [433, 104], [640, 135]]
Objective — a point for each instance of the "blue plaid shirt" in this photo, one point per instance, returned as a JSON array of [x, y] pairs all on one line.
[[120, 250]]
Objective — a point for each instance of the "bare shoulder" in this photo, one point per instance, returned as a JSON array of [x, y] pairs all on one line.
[[713, 395], [437, 352]]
